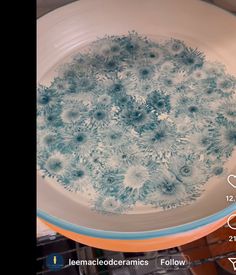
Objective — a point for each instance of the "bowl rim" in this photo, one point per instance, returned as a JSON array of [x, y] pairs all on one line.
[[115, 235]]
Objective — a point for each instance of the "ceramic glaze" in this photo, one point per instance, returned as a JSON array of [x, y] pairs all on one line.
[[133, 123]]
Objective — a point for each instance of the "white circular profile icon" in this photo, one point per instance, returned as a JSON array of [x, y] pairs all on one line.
[[230, 222]]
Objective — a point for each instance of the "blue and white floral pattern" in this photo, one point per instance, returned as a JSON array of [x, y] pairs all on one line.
[[134, 123]]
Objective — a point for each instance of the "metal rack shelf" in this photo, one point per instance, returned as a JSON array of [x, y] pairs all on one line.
[[73, 250]]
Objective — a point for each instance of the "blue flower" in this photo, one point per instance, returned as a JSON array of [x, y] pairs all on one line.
[[226, 83], [77, 140], [112, 65], [166, 191], [124, 101], [54, 165], [159, 102], [147, 190], [104, 100], [221, 141], [131, 44], [193, 107], [134, 116], [99, 117], [110, 183], [160, 141], [117, 89], [48, 141], [175, 47], [109, 206], [208, 84], [154, 54], [227, 110], [168, 187], [52, 119], [47, 99], [76, 110], [145, 72], [214, 69], [136, 176], [206, 141], [109, 48], [78, 176], [230, 135], [191, 59], [124, 155], [61, 85], [82, 84], [207, 88], [128, 196], [189, 170], [96, 161], [71, 115], [112, 137], [218, 170]]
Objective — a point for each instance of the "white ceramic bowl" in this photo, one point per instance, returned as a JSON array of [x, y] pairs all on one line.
[[63, 32]]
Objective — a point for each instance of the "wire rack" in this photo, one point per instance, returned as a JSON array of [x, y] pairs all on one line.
[[73, 250]]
